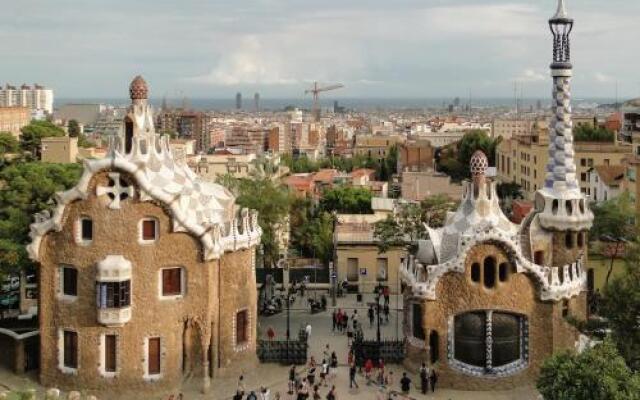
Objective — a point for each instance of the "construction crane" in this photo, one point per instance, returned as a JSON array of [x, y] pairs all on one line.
[[316, 91]]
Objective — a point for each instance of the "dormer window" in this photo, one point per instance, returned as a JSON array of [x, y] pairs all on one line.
[[148, 230]]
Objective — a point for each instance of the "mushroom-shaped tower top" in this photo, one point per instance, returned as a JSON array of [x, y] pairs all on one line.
[[138, 89], [561, 13], [478, 164]]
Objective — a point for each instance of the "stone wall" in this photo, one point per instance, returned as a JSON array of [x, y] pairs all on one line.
[[456, 293], [185, 324]]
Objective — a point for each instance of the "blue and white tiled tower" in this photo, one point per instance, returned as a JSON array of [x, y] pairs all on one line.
[[561, 204]]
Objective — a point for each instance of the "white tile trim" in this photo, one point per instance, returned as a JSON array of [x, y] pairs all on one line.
[[78, 231]]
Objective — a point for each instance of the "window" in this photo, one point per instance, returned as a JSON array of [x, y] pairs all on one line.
[[352, 269], [488, 342], [70, 349], [153, 361], [242, 327], [489, 272], [172, 282], [110, 362], [417, 323], [149, 231], [69, 277], [503, 272], [538, 257], [580, 239], [113, 294], [475, 272], [568, 240], [86, 229], [434, 342], [583, 176], [583, 162], [382, 264]]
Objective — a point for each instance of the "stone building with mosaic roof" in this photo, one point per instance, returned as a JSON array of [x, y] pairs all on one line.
[[486, 300], [146, 271]]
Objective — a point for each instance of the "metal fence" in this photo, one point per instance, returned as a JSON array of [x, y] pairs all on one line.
[[285, 352], [390, 351]]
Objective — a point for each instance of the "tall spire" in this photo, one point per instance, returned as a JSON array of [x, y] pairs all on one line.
[[561, 200]]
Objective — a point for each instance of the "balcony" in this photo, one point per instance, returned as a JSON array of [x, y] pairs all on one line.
[[113, 317]]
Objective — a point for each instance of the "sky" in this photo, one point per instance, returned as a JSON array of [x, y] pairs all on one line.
[[376, 48]]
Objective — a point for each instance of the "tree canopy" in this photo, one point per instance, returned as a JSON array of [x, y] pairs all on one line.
[[32, 134], [27, 188], [408, 225], [615, 218], [621, 306], [586, 133], [346, 200], [272, 200], [311, 230], [8, 143], [73, 128], [454, 159], [595, 374]]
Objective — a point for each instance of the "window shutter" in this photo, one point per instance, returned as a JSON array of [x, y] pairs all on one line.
[[110, 353], [149, 230], [154, 356]]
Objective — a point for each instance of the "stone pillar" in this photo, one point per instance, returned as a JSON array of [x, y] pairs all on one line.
[[205, 341]]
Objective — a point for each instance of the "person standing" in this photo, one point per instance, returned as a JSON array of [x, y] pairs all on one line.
[[334, 319], [308, 331], [292, 379], [424, 378], [333, 364], [252, 396], [349, 335], [405, 383], [386, 293], [371, 316], [264, 393], [241, 388], [324, 371], [352, 375], [316, 394], [386, 313], [434, 379]]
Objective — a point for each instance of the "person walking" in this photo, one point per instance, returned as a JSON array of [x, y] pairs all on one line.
[[308, 331], [386, 293], [292, 379], [327, 352], [237, 396], [324, 372], [368, 367], [405, 384], [332, 395], [349, 335], [252, 396], [424, 378], [264, 393], [434, 379], [380, 372], [352, 375], [371, 316]]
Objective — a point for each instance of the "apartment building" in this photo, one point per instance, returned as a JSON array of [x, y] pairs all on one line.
[[12, 119], [36, 98]]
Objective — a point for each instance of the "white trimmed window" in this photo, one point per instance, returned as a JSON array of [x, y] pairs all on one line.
[[68, 354], [109, 355], [152, 358], [172, 283], [148, 228], [68, 282], [84, 230]]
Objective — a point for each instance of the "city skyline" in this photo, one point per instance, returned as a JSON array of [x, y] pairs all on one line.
[[407, 49]]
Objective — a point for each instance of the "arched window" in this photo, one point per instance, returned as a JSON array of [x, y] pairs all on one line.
[[489, 342], [568, 240], [489, 272], [434, 342], [475, 272], [554, 207], [580, 239], [503, 272], [128, 135], [569, 205]]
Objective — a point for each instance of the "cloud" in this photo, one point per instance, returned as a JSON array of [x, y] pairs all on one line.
[[530, 75], [603, 78]]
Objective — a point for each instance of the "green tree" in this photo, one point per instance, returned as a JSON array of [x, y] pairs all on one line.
[[408, 224], [83, 141], [585, 133], [595, 374], [621, 306], [615, 218], [454, 159], [33, 133], [73, 128], [262, 193], [8, 143], [346, 200], [27, 188]]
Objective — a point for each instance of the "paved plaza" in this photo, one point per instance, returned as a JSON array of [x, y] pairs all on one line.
[[274, 376]]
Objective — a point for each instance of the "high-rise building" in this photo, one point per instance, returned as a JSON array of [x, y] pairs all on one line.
[[238, 101], [37, 98], [256, 99]]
